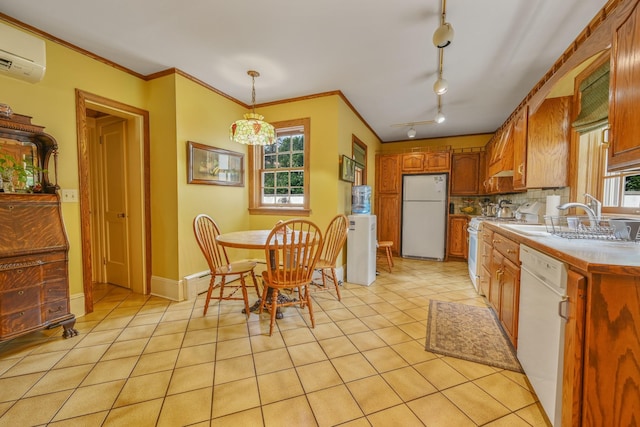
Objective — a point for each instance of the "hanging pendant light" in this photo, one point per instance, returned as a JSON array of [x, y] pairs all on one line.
[[252, 130]]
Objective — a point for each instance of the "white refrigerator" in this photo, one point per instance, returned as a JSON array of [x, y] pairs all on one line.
[[424, 216], [361, 249]]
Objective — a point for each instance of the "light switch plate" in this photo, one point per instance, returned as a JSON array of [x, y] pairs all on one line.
[[70, 195]]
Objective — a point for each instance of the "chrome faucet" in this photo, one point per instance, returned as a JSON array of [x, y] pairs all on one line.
[[594, 204], [586, 208]]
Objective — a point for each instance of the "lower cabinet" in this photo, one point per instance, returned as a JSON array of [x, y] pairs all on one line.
[[458, 236], [504, 283]]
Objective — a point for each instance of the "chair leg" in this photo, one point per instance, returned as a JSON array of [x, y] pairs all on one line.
[[245, 297], [307, 297], [206, 303], [274, 309], [263, 300], [255, 283], [335, 283], [389, 258]]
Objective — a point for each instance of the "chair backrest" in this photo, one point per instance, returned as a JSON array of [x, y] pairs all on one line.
[[292, 251], [206, 231], [334, 238]]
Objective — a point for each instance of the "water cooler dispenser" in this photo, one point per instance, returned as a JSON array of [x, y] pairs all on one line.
[[361, 239]]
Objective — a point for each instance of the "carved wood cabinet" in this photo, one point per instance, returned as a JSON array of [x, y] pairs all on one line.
[[34, 284]]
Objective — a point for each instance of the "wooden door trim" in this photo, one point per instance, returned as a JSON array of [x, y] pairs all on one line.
[[82, 98]]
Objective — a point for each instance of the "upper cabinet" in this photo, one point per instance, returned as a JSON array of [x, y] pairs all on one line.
[[465, 174], [541, 145], [388, 174], [426, 161], [624, 145], [501, 152]]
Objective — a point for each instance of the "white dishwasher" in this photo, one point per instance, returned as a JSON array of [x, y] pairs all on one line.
[[541, 324]]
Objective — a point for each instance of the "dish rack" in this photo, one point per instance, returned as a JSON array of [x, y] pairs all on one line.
[[581, 227]]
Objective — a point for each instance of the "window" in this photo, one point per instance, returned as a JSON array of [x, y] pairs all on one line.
[[359, 150], [279, 173]]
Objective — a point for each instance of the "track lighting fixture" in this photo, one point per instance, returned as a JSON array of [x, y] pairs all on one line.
[[443, 36], [440, 118], [411, 133]]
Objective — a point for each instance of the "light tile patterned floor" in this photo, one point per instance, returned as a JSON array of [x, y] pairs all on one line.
[[146, 361]]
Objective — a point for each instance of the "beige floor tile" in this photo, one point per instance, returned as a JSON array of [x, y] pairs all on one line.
[[408, 383], [413, 352], [297, 336], [280, 385], [156, 362], [534, 415], [59, 380], [110, 370], [234, 369], [232, 332], [272, 360], [366, 340], [325, 331], [123, 349], [35, 363], [416, 330], [318, 376], [353, 367], [290, 412], [361, 311], [186, 408], [196, 355], [373, 394], [338, 346], [137, 332], [509, 420], [35, 410], [199, 322], [250, 417], [262, 342], [191, 378], [112, 322], [13, 388], [441, 375], [141, 414], [352, 326], [358, 422], [384, 359], [164, 342], [438, 411], [145, 319], [333, 406], [393, 335], [400, 416], [340, 314], [83, 355], [505, 391], [167, 327], [233, 348], [475, 403], [143, 388], [376, 322], [304, 354], [95, 419], [200, 336], [470, 369], [234, 397], [101, 398]]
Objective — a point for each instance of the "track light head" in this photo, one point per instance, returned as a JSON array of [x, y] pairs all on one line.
[[441, 86], [443, 36], [440, 118], [411, 133]]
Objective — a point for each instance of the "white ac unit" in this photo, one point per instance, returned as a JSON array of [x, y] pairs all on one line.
[[22, 55]]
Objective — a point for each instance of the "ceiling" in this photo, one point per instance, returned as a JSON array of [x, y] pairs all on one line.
[[380, 55]]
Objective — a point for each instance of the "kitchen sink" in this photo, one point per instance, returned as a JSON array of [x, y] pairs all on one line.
[[530, 229]]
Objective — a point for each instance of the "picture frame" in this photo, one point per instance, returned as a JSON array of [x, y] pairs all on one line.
[[347, 169], [214, 166]]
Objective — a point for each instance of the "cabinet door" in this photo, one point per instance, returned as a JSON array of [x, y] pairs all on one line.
[[502, 152], [548, 141], [413, 162], [573, 350], [484, 284], [520, 149], [437, 161], [465, 174], [458, 236], [388, 174], [509, 299], [495, 280], [624, 146], [388, 219]]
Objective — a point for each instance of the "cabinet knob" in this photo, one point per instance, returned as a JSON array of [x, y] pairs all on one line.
[[20, 292], [57, 310], [511, 251], [19, 271]]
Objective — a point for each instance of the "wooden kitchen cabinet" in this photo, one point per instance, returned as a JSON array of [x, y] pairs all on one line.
[[458, 237], [426, 161], [548, 139], [624, 146], [465, 174], [504, 283], [520, 148], [388, 174], [413, 162], [485, 263], [388, 219], [501, 157]]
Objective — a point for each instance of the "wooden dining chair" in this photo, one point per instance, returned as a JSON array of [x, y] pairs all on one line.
[[334, 238], [206, 231], [292, 251]]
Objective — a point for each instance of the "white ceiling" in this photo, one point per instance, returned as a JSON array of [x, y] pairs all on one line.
[[379, 54]]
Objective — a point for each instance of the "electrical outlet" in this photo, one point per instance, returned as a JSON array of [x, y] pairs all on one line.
[[70, 195]]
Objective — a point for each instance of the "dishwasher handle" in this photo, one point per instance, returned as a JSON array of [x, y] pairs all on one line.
[[564, 303]]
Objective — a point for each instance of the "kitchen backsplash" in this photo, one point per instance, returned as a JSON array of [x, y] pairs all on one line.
[[516, 198]]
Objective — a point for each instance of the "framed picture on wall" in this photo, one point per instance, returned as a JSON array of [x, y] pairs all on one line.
[[347, 169], [214, 166]]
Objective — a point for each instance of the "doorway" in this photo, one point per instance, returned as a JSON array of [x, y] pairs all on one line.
[[113, 147]]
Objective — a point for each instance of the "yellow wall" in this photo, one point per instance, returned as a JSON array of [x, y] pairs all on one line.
[[51, 103]]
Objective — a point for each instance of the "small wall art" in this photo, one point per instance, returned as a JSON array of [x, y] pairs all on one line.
[[214, 166]]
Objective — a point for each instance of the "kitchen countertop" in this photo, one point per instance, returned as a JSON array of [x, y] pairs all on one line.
[[594, 256]]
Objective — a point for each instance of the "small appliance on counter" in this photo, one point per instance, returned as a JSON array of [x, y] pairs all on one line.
[[528, 212]]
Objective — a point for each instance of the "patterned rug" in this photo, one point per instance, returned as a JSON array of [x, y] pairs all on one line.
[[470, 333]]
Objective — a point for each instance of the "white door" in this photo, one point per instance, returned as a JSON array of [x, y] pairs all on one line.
[[113, 141]]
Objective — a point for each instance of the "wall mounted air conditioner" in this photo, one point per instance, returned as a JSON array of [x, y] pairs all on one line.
[[22, 55]]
